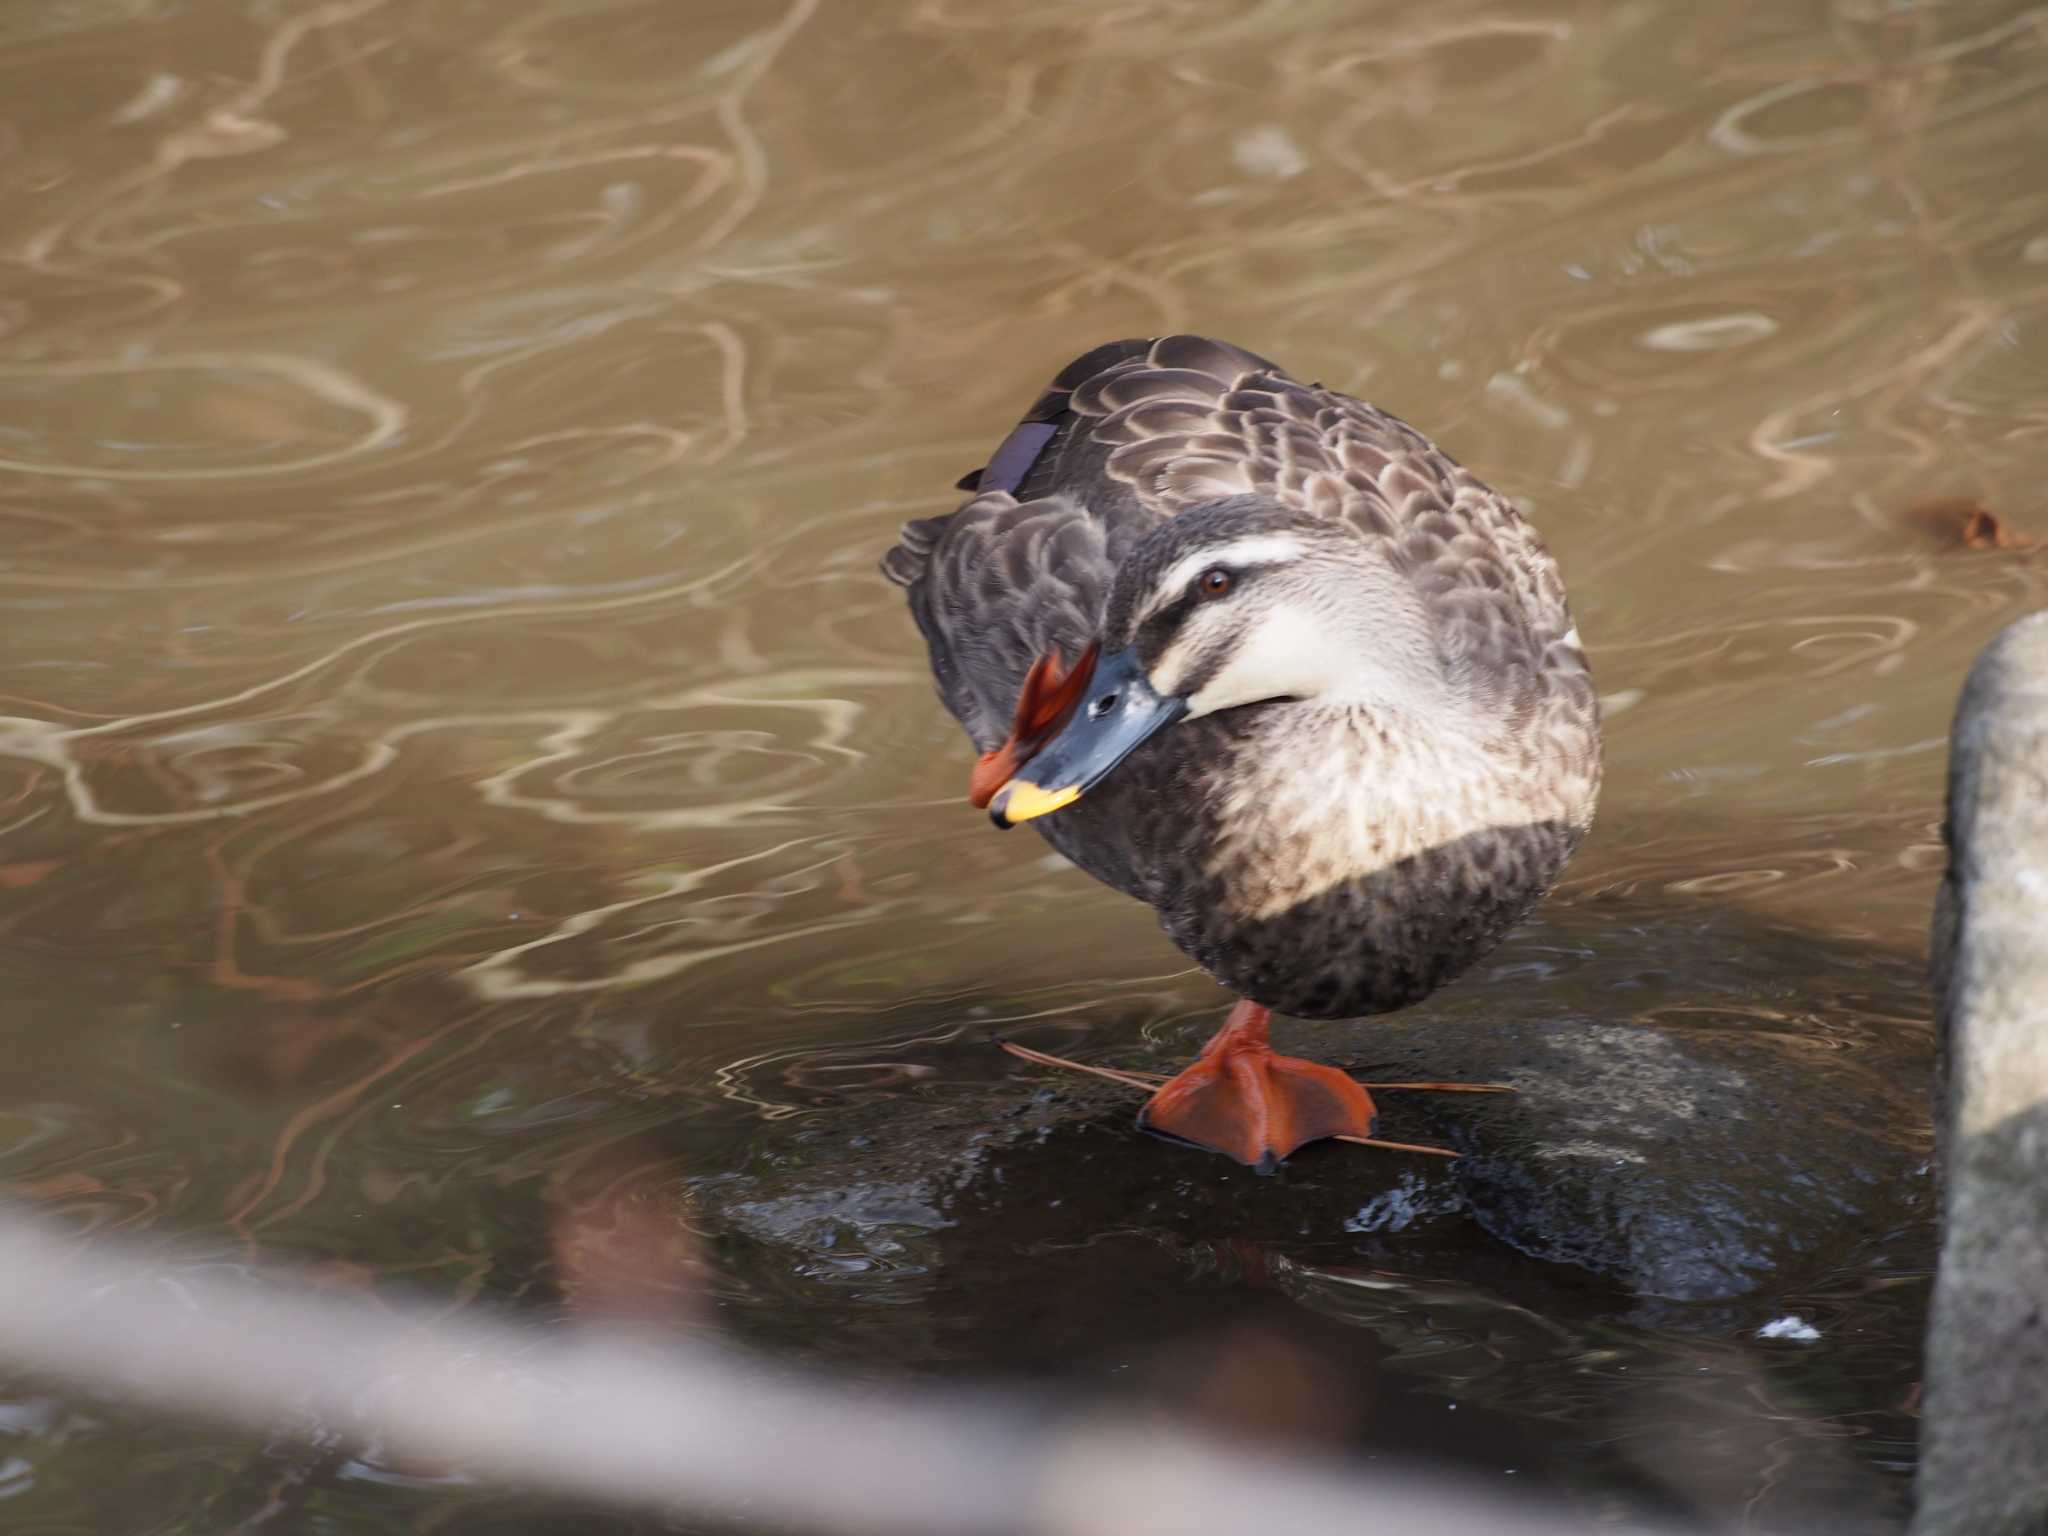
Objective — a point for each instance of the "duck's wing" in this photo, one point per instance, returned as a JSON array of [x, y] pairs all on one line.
[[1024, 567], [1202, 421], [996, 585]]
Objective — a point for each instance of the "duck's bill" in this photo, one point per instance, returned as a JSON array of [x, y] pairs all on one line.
[[1121, 711]]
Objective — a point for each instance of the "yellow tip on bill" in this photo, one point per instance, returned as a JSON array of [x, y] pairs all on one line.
[[1022, 800]]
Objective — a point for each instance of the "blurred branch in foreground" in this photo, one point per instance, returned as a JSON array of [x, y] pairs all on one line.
[[636, 1421]]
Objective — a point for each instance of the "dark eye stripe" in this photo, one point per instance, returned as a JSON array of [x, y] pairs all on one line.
[[1159, 628]]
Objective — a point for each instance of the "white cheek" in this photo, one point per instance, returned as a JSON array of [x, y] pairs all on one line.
[[1293, 653]]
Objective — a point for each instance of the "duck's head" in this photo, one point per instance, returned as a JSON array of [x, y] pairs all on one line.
[[1240, 602]]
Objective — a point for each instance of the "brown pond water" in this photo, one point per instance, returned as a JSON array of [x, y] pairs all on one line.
[[465, 792]]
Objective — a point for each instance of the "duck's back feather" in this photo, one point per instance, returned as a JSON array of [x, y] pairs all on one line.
[[1136, 431]]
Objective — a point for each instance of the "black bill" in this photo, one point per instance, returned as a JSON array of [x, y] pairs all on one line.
[[1120, 711]]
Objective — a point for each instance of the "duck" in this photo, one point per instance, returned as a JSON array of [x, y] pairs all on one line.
[[1264, 657]]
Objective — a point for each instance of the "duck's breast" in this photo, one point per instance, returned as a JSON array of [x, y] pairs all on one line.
[[1335, 863]]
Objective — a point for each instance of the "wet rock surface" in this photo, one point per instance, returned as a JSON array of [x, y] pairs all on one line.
[[1713, 1156], [1698, 1162], [1685, 1165]]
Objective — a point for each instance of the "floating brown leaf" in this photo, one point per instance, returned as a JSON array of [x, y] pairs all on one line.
[[1966, 523]]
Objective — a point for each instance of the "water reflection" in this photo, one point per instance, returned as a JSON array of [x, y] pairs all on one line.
[[467, 805]]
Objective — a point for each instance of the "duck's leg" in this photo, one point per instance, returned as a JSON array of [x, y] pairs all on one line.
[[1048, 696], [1241, 1097]]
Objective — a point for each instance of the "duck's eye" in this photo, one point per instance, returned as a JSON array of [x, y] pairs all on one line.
[[1214, 582]]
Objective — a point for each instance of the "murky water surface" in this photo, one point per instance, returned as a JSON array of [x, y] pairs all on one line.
[[466, 797]]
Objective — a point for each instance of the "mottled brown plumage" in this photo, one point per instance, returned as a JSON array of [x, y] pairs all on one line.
[[1354, 841]]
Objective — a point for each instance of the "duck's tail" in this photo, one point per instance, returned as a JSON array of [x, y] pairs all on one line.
[[906, 562]]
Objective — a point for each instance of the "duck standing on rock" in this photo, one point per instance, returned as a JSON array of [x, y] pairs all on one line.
[[1327, 712]]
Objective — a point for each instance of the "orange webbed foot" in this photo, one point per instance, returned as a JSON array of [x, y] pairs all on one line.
[[1242, 1098]]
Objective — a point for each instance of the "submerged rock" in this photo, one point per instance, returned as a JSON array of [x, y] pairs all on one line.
[[1702, 1162], [1683, 1165], [1012, 1216], [1981, 1470]]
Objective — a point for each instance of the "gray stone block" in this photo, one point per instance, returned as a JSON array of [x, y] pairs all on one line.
[[1984, 1456]]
